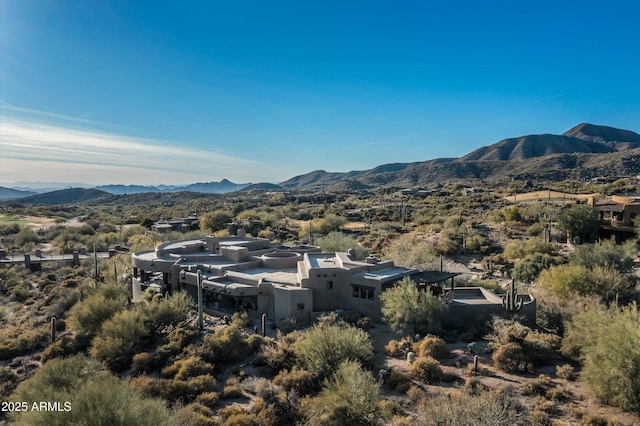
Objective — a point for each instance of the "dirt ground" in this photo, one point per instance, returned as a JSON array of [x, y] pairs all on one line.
[[576, 400]]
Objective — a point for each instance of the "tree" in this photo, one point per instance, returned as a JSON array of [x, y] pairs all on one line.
[[215, 221], [405, 305], [349, 397], [411, 251], [337, 241], [606, 254], [578, 220], [607, 342]]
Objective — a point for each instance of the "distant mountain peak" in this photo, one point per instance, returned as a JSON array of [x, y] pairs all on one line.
[[598, 133]]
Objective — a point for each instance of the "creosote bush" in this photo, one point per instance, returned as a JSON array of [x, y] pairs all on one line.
[[431, 346], [427, 369]]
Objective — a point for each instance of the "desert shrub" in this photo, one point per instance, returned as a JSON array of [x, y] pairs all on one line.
[[399, 381], [607, 254], [553, 313], [171, 310], [528, 269], [143, 362], [226, 344], [208, 399], [399, 347], [594, 419], [88, 315], [607, 342], [17, 340], [540, 418], [8, 381], [389, 409], [431, 346], [494, 408], [571, 280], [518, 349], [427, 369], [231, 392], [195, 414], [511, 358], [121, 336], [184, 369], [337, 241], [565, 371], [182, 335], [297, 379], [93, 393], [65, 346], [255, 342], [323, 348], [275, 408], [235, 415], [67, 297], [411, 251], [280, 354], [349, 397], [405, 305]]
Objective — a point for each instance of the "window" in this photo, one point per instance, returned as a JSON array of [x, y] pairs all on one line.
[[330, 285], [301, 306], [362, 292]]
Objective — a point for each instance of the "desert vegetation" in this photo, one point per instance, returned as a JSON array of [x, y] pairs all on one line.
[[148, 363]]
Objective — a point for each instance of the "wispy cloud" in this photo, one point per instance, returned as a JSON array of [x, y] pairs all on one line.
[[559, 95], [63, 147]]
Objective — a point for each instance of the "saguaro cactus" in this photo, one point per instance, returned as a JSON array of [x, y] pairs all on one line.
[[264, 325], [53, 329], [511, 302], [200, 309]]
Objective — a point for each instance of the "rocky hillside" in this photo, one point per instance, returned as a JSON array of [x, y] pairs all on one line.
[[585, 150]]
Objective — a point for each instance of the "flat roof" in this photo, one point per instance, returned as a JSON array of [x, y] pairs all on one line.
[[384, 274], [323, 260], [288, 276]]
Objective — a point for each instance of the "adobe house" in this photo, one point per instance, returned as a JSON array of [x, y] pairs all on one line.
[[253, 274], [618, 215]]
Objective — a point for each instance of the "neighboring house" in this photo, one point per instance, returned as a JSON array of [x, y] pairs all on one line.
[[253, 274], [183, 224], [619, 214]]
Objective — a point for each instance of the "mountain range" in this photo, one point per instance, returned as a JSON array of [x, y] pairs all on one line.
[[583, 151]]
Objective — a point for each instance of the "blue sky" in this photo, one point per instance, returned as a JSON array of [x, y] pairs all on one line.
[[174, 92]]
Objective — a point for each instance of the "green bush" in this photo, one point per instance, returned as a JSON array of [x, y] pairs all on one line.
[[324, 348], [405, 305], [88, 315], [121, 336], [92, 393], [170, 311], [349, 397], [607, 342]]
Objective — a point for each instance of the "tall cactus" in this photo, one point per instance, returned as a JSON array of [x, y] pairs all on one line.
[[511, 302], [199, 283]]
